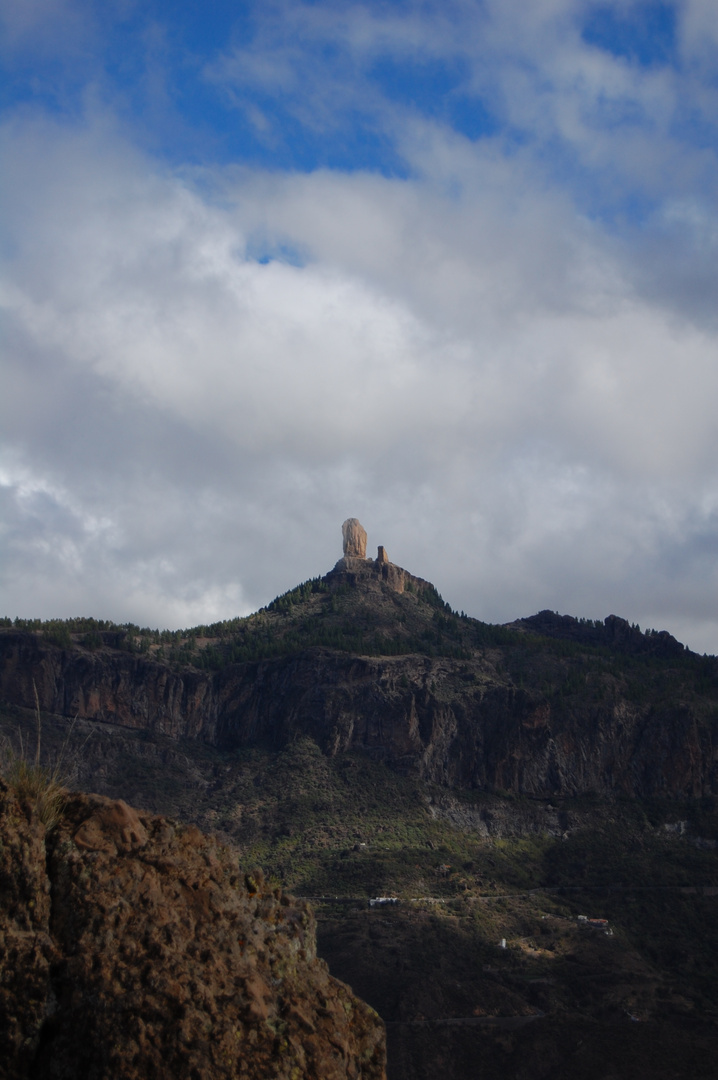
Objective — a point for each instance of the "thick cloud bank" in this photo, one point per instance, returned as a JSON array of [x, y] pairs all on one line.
[[206, 369]]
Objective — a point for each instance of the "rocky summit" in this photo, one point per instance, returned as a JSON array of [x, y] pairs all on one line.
[[134, 947]]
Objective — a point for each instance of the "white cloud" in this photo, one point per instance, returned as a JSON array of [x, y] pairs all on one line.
[[698, 30], [514, 397]]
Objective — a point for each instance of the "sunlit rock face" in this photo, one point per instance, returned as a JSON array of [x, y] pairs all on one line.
[[354, 536]]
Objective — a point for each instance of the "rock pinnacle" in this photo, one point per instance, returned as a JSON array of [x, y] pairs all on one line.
[[354, 536]]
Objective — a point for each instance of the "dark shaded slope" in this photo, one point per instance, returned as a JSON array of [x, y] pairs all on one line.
[[469, 868]]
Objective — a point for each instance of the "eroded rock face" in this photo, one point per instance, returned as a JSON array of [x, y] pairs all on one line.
[[132, 947], [455, 722], [112, 828], [354, 536]]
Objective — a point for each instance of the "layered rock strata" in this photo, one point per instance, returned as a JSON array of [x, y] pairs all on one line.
[[460, 723]]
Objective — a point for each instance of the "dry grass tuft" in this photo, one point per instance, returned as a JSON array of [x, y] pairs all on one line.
[[43, 787], [40, 787]]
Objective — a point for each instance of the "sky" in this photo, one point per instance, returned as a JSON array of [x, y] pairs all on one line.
[[449, 268]]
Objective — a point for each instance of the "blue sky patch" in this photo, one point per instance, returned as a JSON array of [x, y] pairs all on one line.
[[642, 33], [301, 87]]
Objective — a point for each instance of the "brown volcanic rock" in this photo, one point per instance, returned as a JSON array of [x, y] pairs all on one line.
[[131, 947], [26, 949]]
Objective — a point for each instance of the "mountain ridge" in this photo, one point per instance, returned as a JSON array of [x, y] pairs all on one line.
[[370, 657]]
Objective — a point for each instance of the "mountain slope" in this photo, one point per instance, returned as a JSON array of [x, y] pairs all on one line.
[[369, 657]]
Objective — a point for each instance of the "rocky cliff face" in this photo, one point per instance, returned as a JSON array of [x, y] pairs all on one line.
[[131, 947], [109, 684], [581, 708]]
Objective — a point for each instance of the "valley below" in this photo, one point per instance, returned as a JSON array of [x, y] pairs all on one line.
[[634, 997]]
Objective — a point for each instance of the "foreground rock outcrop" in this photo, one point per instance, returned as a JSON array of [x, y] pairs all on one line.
[[133, 947]]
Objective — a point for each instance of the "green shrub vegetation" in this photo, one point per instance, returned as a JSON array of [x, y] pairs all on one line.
[[313, 615]]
